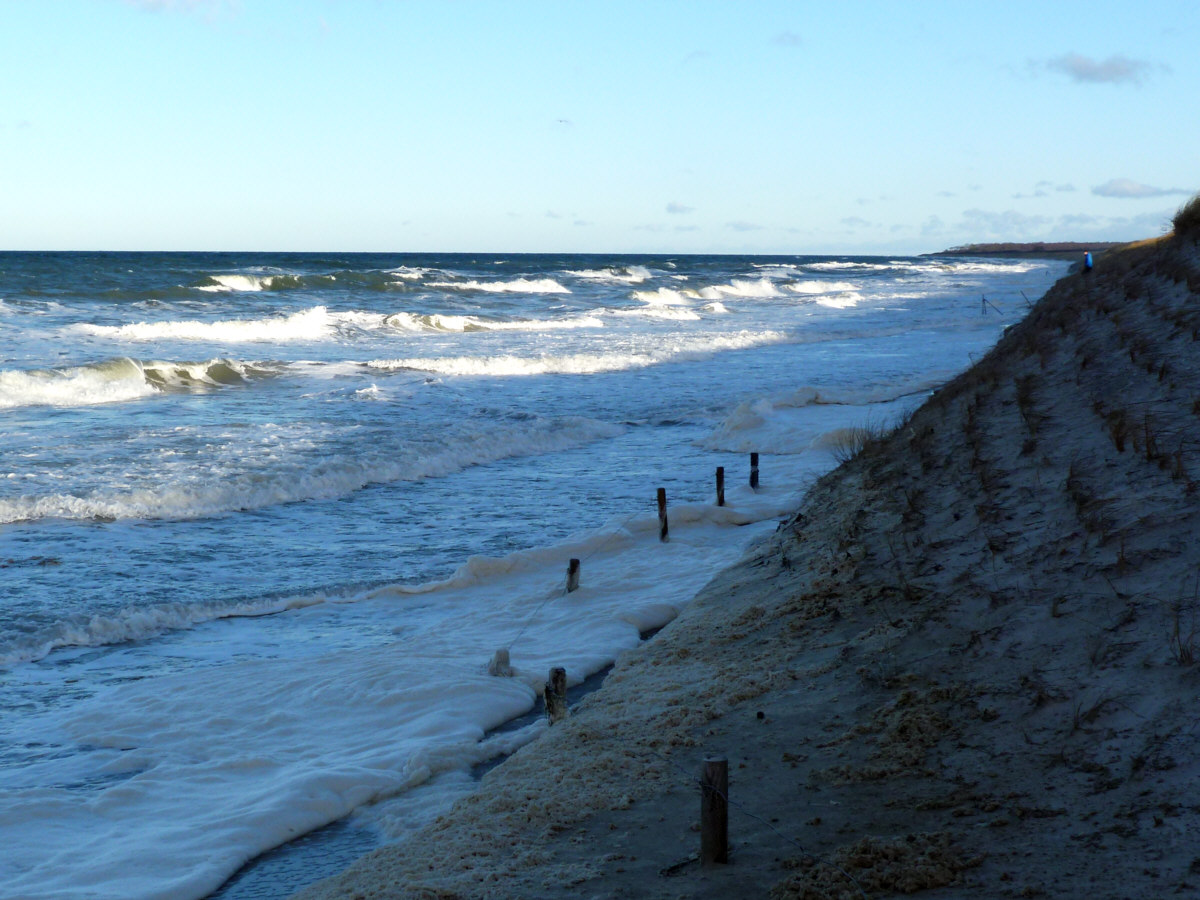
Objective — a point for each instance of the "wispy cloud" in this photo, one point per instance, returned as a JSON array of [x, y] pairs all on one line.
[[1114, 70], [856, 222], [678, 209], [210, 7], [743, 226], [1126, 188], [788, 39]]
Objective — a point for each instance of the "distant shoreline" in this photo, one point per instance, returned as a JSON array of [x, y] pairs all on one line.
[[1039, 249]]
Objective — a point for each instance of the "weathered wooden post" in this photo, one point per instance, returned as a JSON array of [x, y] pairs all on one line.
[[662, 515], [500, 665], [573, 575], [720, 485], [714, 812], [555, 695], [754, 471]]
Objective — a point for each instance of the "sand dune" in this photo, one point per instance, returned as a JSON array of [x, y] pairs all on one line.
[[968, 664]]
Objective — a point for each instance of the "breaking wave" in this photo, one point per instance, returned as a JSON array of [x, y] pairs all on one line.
[[406, 321], [212, 493], [586, 363], [307, 325], [518, 286], [119, 380]]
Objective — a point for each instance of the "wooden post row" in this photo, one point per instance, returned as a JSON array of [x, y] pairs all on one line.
[[720, 485], [714, 812], [662, 515], [573, 575], [500, 664], [555, 695], [754, 470]]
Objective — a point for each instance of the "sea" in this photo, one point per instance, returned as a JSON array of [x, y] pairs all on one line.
[[266, 518]]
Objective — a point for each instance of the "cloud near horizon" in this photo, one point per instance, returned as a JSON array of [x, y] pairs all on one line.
[[678, 209], [1127, 188], [1114, 70]]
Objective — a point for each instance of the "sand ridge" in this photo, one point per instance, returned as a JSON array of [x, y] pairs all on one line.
[[966, 666]]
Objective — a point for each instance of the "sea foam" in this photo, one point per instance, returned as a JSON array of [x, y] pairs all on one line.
[[306, 325], [585, 363]]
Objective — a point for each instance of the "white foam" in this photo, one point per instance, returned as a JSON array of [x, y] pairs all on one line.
[[585, 363], [615, 275], [307, 325], [798, 421], [114, 381], [409, 273], [666, 297], [158, 764], [518, 286], [417, 322], [741, 288], [821, 287]]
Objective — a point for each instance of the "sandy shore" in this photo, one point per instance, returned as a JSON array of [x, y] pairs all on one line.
[[967, 665]]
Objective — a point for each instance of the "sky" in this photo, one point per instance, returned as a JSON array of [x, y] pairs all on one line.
[[626, 126]]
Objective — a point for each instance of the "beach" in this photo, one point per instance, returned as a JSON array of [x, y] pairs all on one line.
[[965, 665], [348, 480]]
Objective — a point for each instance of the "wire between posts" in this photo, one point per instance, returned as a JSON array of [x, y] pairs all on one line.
[[529, 619]]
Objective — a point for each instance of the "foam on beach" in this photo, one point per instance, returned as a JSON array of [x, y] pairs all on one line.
[[389, 721]]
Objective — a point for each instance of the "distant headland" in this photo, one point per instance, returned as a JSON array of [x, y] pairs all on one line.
[[1050, 249]]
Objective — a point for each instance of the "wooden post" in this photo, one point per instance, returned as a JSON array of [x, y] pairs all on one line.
[[500, 665], [662, 515], [573, 575], [720, 485], [555, 695], [714, 812], [754, 471]]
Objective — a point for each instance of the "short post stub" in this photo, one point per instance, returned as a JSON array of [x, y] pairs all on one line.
[[720, 485], [714, 812], [500, 665], [573, 575], [555, 695], [754, 470], [662, 515]]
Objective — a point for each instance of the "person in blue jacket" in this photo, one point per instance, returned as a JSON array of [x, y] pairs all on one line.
[[1087, 261]]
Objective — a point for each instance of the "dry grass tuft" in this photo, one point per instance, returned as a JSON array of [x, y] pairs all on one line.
[[1187, 220]]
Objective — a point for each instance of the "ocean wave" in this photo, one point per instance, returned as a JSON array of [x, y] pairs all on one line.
[[210, 494], [822, 287], [737, 288], [418, 322], [119, 380], [135, 623], [307, 325], [362, 279], [1015, 266], [664, 296], [586, 363], [614, 274], [517, 286], [112, 381]]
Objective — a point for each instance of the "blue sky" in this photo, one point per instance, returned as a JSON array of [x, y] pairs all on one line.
[[747, 126]]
